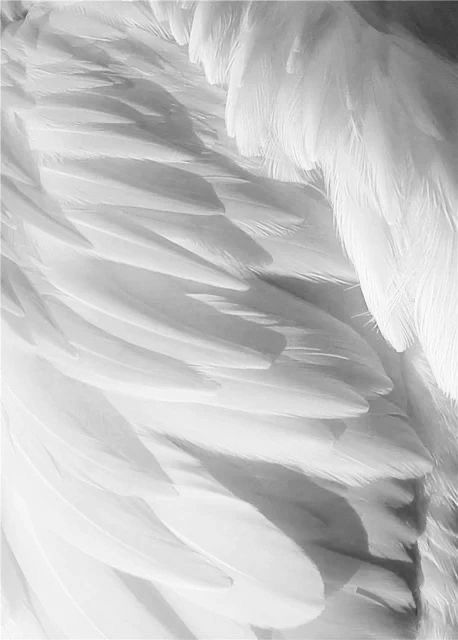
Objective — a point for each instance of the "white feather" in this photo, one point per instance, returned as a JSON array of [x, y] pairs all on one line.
[[193, 451]]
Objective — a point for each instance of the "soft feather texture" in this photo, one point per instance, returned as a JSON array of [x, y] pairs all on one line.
[[214, 455], [379, 120]]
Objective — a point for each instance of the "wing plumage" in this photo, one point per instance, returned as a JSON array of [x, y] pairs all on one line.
[[379, 120], [192, 450]]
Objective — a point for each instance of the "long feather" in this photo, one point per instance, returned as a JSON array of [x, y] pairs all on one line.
[[191, 449]]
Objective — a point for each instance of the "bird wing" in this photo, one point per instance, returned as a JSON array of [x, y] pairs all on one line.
[[193, 450]]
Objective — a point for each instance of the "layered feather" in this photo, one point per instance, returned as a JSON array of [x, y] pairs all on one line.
[[182, 432]]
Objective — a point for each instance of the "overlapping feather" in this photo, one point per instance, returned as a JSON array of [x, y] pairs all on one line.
[[181, 432]]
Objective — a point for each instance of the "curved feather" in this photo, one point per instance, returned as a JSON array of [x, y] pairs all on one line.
[[213, 455]]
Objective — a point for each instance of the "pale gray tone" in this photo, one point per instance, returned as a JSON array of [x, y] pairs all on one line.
[[230, 315]]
